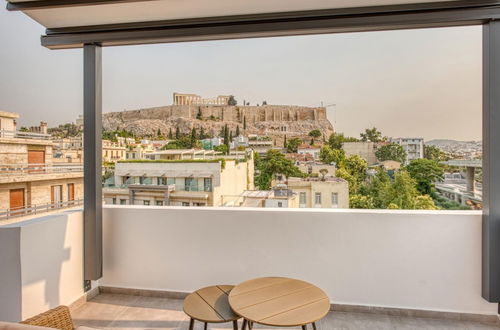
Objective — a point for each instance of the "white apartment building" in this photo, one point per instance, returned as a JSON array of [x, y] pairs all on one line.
[[313, 151], [180, 178], [414, 147], [318, 193]]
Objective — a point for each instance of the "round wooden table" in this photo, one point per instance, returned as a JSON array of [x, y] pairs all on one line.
[[279, 302], [210, 305]]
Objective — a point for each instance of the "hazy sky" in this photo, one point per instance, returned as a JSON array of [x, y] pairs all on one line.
[[421, 83]]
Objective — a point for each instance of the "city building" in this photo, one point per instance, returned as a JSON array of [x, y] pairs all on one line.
[[414, 147], [462, 187], [317, 169], [68, 150], [30, 181], [306, 149], [181, 178], [113, 152], [8, 124], [278, 197], [320, 193], [365, 150]]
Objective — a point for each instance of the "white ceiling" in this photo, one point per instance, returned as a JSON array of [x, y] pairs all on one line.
[[156, 10]]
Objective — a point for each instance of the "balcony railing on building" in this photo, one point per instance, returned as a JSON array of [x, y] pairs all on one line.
[[23, 135], [38, 209], [19, 169]]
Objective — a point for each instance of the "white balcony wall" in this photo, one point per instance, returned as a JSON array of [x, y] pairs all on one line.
[[404, 259], [423, 260], [41, 264]]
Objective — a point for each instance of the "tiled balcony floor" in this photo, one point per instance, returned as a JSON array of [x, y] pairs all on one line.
[[116, 311]]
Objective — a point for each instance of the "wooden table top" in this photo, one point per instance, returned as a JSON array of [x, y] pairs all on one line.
[[210, 304], [279, 301]]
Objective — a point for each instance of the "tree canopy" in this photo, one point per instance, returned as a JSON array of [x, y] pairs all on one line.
[[274, 163], [336, 140], [434, 153], [391, 151], [371, 135], [293, 144], [232, 100], [425, 172]]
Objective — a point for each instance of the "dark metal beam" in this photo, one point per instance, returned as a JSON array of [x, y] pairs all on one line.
[[92, 149], [491, 162], [48, 4], [278, 24]]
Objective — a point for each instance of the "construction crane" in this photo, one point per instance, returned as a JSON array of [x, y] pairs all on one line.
[[334, 112]]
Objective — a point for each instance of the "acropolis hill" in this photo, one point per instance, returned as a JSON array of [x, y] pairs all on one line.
[[275, 121]]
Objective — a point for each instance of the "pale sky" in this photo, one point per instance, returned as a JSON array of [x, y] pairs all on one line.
[[419, 83]]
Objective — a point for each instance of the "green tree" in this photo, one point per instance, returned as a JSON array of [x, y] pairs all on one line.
[[244, 122], [202, 134], [336, 140], [170, 135], [274, 163], [371, 135], [328, 156], [193, 138], [425, 172], [184, 142], [226, 137], [238, 130], [315, 133], [391, 151], [293, 144], [230, 136], [158, 133], [198, 115], [177, 133], [232, 100], [24, 129], [434, 153], [425, 202], [284, 142], [356, 166], [402, 191], [360, 202], [222, 148]]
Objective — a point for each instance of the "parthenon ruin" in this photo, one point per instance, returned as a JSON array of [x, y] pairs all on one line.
[[193, 99]]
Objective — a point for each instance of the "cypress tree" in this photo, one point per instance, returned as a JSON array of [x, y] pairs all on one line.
[[284, 142], [177, 133], [193, 138], [170, 136], [238, 130], [244, 122]]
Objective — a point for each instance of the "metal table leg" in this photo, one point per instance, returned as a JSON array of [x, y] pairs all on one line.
[[191, 324]]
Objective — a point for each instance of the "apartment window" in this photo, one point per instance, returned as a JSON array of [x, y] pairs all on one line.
[[280, 204], [161, 181], [317, 199], [302, 199], [185, 203], [198, 204], [146, 203], [123, 202], [191, 184], [114, 200], [207, 184], [335, 199], [145, 180], [159, 203]]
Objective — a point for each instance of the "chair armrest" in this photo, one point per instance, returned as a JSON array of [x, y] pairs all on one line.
[[58, 318]]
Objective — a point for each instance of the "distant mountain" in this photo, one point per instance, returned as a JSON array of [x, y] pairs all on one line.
[[442, 143]]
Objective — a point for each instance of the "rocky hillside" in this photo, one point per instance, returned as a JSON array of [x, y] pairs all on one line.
[[270, 120]]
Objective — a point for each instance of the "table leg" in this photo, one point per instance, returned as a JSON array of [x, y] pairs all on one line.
[[244, 325], [191, 324], [314, 325], [250, 325], [206, 324], [235, 325], [304, 327]]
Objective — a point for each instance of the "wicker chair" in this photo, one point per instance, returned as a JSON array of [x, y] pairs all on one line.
[[57, 318]]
